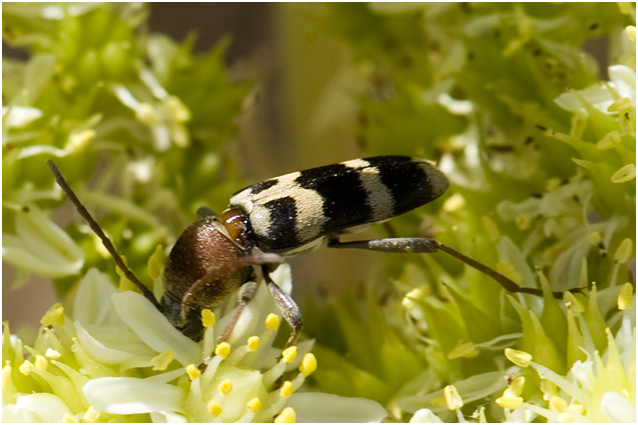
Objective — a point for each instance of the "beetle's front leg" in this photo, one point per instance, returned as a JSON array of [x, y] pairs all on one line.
[[286, 306]]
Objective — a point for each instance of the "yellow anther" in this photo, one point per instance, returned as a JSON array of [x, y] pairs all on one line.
[[609, 140], [557, 404], [625, 297], [519, 358], [552, 184], [452, 397], [289, 354], [156, 262], [52, 354], [208, 318], [91, 415], [548, 388], [55, 316], [515, 389], [177, 109], [523, 221], [254, 404], [454, 203], [624, 174], [70, 419], [252, 343], [620, 105], [624, 251], [509, 402], [467, 350], [162, 360], [287, 416], [192, 371], [627, 124], [26, 367], [272, 321], [6, 376], [594, 238], [222, 349], [578, 408], [506, 268], [40, 362], [308, 364], [214, 408], [565, 418], [631, 32], [225, 386], [579, 122], [408, 304], [417, 294], [286, 389], [147, 114], [78, 141]]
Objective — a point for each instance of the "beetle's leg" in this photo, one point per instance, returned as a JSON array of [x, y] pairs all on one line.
[[204, 212], [425, 245], [286, 305], [245, 295]]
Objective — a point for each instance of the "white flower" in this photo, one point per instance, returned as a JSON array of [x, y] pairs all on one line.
[[623, 82], [40, 246], [121, 356]]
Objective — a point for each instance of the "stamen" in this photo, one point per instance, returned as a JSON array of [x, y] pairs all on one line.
[[214, 408], [287, 416], [162, 360], [193, 371], [289, 354], [519, 358], [308, 364], [222, 349], [254, 404], [41, 362], [208, 318], [272, 321], [225, 386], [286, 389]]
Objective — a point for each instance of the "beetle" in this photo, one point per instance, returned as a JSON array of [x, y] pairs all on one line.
[[295, 213]]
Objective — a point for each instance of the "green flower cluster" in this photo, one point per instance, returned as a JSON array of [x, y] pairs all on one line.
[[540, 151], [100, 93], [155, 121], [541, 156]]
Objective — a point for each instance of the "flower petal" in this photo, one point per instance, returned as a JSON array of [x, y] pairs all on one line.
[[313, 407], [425, 416], [127, 396], [153, 328], [89, 307], [618, 409], [39, 407]]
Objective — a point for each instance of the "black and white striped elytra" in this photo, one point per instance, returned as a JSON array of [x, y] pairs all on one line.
[[299, 211]]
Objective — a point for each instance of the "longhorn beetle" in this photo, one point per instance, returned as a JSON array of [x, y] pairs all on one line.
[[285, 216]]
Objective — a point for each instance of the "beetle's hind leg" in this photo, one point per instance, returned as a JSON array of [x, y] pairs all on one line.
[[286, 306], [426, 245]]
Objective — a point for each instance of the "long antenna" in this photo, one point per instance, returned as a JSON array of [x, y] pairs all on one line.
[[98, 231]]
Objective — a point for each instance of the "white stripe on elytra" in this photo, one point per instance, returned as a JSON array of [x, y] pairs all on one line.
[[309, 204], [379, 197]]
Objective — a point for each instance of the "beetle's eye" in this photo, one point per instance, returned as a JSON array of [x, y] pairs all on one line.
[[235, 223]]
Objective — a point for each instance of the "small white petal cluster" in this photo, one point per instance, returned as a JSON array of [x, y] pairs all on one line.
[[120, 356]]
